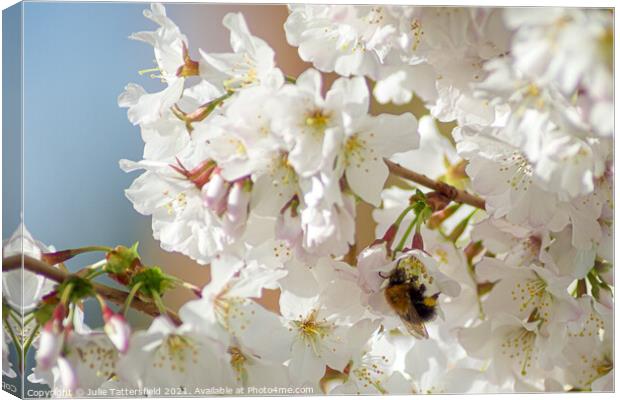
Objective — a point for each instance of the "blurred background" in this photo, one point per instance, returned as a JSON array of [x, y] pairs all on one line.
[[77, 60]]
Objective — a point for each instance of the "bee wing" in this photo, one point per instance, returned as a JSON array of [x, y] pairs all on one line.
[[414, 324]]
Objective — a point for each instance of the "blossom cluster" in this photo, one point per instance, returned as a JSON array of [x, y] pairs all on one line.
[[258, 175]]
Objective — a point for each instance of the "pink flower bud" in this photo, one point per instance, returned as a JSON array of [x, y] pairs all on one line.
[[117, 329], [215, 193], [417, 243], [238, 200], [51, 340]]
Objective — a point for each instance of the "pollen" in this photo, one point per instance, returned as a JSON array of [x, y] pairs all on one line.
[[520, 169], [532, 90], [238, 361], [239, 146], [356, 151], [430, 301], [532, 295], [518, 346], [317, 119], [312, 330], [176, 352], [98, 358], [228, 308]]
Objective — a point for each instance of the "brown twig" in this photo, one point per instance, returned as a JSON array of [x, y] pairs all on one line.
[[114, 295], [449, 191]]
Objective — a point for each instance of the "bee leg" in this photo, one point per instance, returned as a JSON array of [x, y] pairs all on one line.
[[381, 275]]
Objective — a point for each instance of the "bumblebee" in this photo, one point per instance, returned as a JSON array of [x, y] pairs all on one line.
[[408, 299]]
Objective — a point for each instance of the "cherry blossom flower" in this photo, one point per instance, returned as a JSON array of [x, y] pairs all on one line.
[[173, 357], [23, 290], [251, 63], [260, 175]]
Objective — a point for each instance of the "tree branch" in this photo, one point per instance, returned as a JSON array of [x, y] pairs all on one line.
[[460, 196], [114, 295]]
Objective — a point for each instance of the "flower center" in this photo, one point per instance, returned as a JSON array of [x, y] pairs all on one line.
[[521, 171], [176, 350], [533, 294], [371, 371], [355, 151], [245, 74], [98, 358], [317, 119], [518, 347], [312, 330], [237, 361], [227, 307]]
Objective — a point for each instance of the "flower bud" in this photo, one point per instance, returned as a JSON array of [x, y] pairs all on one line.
[[189, 67], [57, 257], [417, 243], [122, 260], [215, 193], [117, 329], [238, 200], [437, 218], [51, 340], [388, 237]]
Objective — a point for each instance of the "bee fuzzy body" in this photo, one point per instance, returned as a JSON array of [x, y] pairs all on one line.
[[409, 300]]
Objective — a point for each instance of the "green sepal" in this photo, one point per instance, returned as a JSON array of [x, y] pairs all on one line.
[[122, 259], [153, 279], [81, 288]]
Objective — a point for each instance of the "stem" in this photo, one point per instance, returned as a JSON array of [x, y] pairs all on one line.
[[18, 347], [401, 244], [158, 302], [101, 301], [31, 339], [87, 249], [14, 317], [92, 270], [187, 285], [114, 295], [64, 298], [29, 319], [201, 112], [71, 315], [403, 214], [57, 257], [460, 228], [460, 196], [97, 265], [95, 274], [130, 296]]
